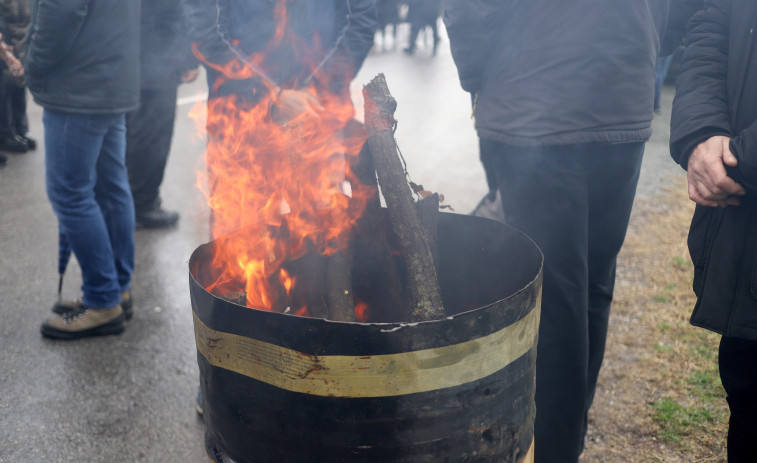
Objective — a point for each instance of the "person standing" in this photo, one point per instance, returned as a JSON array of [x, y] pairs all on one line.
[[422, 14], [166, 61], [82, 67], [563, 95], [713, 136], [14, 125]]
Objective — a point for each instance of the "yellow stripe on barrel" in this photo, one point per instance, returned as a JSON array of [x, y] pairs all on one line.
[[370, 375]]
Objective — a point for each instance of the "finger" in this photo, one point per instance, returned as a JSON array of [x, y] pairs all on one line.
[[727, 186], [695, 196], [732, 201]]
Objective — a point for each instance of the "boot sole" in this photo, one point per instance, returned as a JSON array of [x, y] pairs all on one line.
[[113, 327]]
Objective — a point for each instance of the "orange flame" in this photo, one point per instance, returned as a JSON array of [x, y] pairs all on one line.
[[277, 191]]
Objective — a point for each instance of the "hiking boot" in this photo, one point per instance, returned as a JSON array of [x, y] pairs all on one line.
[[64, 307], [84, 323]]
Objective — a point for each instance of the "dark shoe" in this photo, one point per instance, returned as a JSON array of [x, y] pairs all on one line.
[[14, 144], [409, 51], [64, 307], [3, 160], [156, 218], [30, 142], [84, 323]]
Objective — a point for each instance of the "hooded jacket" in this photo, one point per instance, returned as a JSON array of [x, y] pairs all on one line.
[[717, 95], [82, 56], [543, 72]]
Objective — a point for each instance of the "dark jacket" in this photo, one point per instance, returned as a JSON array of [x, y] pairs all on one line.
[[82, 56], [14, 22], [717, 95], [165, 50], [336, 34], [548, 72]]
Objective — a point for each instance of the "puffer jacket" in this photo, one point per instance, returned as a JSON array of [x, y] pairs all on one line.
[[717, 95], [82, 56], [330, 38], [549, 73]]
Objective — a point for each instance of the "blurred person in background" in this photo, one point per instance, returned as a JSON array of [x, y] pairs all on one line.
[[166, 61], [388, 13], [713, 136], [14, 125], [563, 102], [82, 67], [423, 14]]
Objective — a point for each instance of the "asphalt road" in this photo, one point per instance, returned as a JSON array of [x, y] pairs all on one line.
[[130, 397]]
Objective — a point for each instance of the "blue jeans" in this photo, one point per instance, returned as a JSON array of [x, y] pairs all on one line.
[[88, 187], [661, 70]]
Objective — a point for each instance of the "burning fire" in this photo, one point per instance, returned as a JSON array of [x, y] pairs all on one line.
[[278, 191]]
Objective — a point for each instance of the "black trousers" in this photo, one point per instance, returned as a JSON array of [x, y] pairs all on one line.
[[13, 120], [149, 131], [737, 360], [574, 201]]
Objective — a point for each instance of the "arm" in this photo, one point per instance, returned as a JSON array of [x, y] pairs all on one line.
[[207, 22], [55, 26], [352, 44], [700, 126], [470, 25], [700, 108]]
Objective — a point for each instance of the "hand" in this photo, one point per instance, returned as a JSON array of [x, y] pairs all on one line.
[[189, 75], [292, 104], [709, 184]]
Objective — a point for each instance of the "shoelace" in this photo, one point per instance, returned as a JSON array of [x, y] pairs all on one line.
[[74, 315]]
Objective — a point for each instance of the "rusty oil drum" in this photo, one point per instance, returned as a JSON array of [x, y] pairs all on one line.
[[283, 388]]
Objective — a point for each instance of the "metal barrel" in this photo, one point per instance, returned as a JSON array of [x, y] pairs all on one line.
[[279, 387]]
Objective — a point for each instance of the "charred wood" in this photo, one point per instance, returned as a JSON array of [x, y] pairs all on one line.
[[423, 286]]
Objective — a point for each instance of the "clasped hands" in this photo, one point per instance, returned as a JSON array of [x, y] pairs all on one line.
[[290, 104], [709, 184]]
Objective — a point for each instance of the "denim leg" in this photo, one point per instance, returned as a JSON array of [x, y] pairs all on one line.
[[74, 145], [113, 195]]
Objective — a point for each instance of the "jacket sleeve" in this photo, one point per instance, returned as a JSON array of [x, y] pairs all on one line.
[[470, 25], [208, 24], [700, 107], [55, 26], [744, 147], [353, 42]]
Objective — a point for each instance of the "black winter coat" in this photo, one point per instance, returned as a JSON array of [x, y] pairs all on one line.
[[717, 95], [551, 73], [82, 56]]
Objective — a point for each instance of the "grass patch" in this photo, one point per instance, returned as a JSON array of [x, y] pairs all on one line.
[[678, 421]]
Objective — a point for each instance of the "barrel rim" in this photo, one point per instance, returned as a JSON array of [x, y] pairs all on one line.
[[396, 325]]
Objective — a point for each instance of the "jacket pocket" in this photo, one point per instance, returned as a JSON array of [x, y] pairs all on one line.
[[704, 227]]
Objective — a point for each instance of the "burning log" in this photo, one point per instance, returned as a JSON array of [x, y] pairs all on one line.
[[371, 245], [423, 286]]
